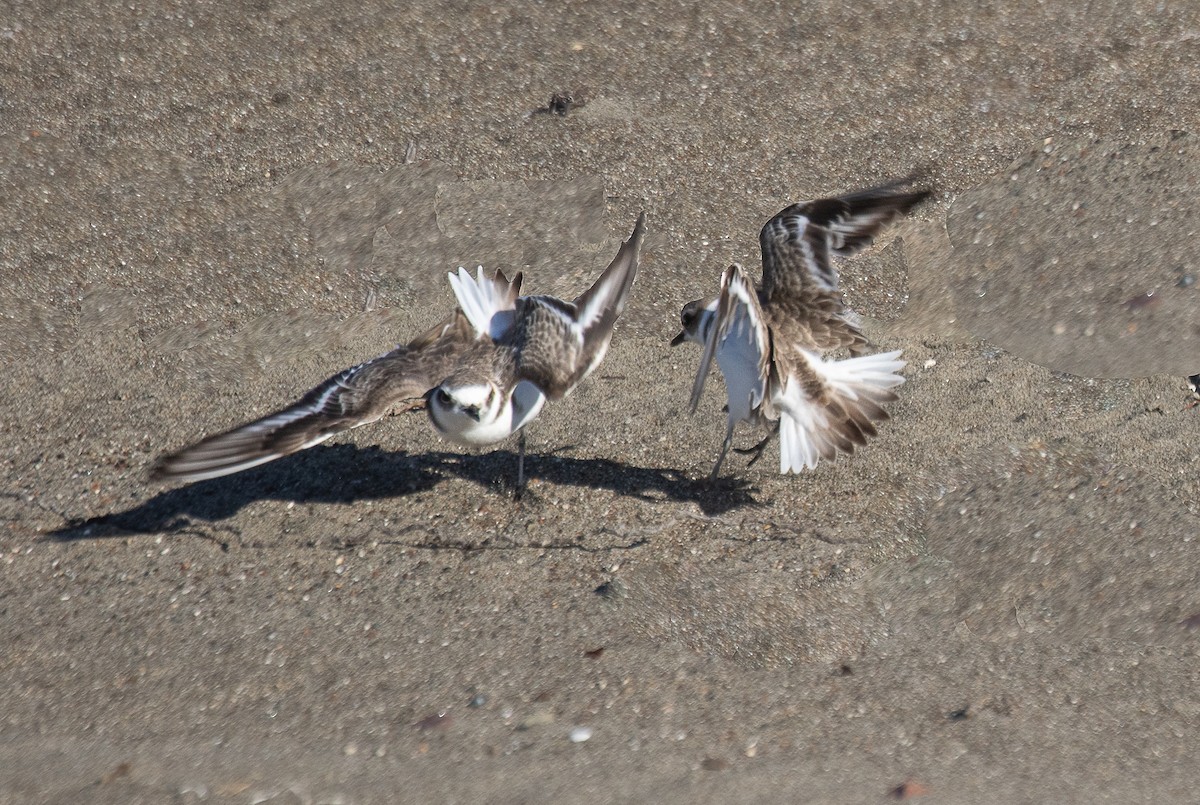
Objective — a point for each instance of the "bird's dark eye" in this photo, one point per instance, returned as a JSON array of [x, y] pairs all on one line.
[[443, 396]]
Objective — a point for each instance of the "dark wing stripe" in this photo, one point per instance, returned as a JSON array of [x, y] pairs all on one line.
[[796, 243], [567, 311]]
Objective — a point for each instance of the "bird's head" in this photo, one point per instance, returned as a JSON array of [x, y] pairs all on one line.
[[696, 317], [470, 413]]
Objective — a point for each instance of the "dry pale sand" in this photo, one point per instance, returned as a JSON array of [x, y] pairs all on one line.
[[206, 211]]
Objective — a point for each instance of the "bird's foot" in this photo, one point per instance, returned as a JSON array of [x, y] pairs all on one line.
[[757, 450]]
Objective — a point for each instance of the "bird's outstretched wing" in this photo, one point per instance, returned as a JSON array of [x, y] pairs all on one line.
[[351, 398], [560, 343], [598, 307], [797, 243]]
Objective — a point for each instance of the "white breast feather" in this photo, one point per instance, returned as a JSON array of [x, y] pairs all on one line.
[[740, 352], [739, 357]]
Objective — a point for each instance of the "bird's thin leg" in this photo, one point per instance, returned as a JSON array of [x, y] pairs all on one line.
[[724, 449], [757, 450], [520, 490]]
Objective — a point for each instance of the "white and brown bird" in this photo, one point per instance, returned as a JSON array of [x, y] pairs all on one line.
[[537, 348], [483, 373], [770, 342]]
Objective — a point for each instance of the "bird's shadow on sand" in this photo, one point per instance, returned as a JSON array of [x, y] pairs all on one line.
[[346, 473]]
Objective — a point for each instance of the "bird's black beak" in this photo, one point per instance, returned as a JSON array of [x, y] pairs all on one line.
[[679, 339]]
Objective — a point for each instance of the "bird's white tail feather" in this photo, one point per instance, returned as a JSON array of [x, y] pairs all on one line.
[[481, 299], [808, 431], [797, 449]]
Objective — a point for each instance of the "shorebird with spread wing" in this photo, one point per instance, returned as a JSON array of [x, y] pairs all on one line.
[[536, 348], [770, 342], [483, 374]]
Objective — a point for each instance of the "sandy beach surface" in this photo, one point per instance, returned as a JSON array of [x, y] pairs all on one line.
[[206, 210]]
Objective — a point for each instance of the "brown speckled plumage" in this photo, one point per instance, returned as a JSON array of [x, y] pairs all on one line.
[[555, 344]]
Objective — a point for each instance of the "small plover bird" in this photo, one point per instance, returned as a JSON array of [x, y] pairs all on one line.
[[482, 374], [770, 341], [357, 396], [538, 348]]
